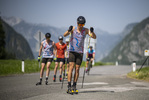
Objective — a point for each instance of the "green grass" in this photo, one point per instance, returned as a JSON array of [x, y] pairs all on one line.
[[8, 67], [142, 75]]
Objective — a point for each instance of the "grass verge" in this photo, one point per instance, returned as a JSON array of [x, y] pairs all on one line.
[[9, 67], [142, 75]]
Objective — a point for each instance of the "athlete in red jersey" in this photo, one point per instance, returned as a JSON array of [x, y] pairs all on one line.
[[60, 57]]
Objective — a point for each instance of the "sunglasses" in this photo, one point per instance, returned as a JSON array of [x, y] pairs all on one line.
[[81, 25]]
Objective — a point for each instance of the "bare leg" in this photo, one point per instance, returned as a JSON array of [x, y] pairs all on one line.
[[63, 68], [67, 67], [61, 64], [42, 69], [48, 69], [76, 75], [71, 66], [55, 69]]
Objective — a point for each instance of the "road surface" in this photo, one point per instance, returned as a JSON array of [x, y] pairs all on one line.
[[103, 83]]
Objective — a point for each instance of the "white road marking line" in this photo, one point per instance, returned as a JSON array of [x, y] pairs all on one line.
[[93, 83], [115, 89], [141, 83]]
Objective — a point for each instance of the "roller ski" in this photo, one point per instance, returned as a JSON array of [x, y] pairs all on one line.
[[69, 91], [38, 83], [74, 90]]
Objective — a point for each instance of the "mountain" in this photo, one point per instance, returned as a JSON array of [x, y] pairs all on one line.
[[105, 41], [15, 43], [132, 47], [31, 32]]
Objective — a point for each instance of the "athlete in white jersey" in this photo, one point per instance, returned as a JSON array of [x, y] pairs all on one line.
[[76, 48], [48, 47]]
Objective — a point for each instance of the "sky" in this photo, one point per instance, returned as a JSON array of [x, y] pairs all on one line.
[[109, 15]]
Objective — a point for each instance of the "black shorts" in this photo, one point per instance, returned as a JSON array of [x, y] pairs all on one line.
[[60, 60], [66, 60], [89, 58], [45, 60], [75, 57]]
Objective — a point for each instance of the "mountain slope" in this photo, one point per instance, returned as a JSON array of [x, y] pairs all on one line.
[[16, 44], [132, 47], [31, 32]]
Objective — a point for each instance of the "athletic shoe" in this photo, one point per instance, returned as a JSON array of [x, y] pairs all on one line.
[[46, 82], [86, 70], [54, 78], [60, 78]]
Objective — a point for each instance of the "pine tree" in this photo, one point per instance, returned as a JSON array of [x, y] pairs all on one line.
[[2, 41]]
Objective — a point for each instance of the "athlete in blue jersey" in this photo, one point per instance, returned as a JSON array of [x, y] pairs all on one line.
[[90, 56], [76, 48], [48, 47]]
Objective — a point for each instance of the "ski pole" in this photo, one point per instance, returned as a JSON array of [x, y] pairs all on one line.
[[39, 61], [142, 65], [67, 56], [86, 57]]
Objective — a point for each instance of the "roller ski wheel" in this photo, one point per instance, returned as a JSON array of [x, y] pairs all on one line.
[[38, 83], [69, 91], [74, 90]]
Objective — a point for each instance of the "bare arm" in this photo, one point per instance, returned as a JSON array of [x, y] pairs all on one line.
[[92, 34], [67, 32], [40, 50], [54, 51], [93, 56]]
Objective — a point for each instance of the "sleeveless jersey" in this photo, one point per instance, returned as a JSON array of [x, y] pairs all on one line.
[[60, 50], [47, 49], [90, 53], [77, 41]]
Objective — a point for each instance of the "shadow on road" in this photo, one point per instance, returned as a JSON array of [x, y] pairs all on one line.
[[95, 91], [95, 75]]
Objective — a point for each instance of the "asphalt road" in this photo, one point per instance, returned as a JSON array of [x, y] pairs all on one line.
[[103, 83]]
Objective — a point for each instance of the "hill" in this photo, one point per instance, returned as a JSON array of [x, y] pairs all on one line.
[[132, 47], [15, 43]]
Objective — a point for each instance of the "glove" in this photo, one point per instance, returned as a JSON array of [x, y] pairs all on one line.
[[91, 29], [55, 58], [87, 59], [70, 28], [39, 58]]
